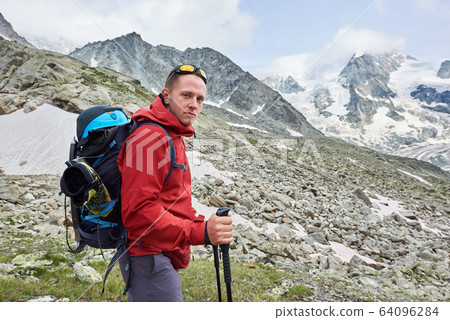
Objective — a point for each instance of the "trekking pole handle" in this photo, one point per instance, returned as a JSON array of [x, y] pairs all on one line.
[[223, 211]]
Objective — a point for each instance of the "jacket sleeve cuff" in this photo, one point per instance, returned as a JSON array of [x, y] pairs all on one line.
[[198, 233], [207, 241]]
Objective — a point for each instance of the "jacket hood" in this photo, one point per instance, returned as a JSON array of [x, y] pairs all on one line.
[[157, 112]]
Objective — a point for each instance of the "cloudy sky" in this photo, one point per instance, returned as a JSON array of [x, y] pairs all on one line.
[[260, 36]]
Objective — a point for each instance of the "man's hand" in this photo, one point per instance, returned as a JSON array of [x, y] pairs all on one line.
[[219, 230]]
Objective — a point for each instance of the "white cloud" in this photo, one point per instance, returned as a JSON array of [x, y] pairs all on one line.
[[334, 55], [192, 23], [294, 65], [365, 41]]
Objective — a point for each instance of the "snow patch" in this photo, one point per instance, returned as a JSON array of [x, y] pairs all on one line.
[[258, 109], [207, 212], [416, 177], [215, 104], [427, 228], [300, 231], [413, 73], [384, 206], [236, 113], [37, 142], [94, 62], [270, 229], [294, 133], [283, 147], [203, 209], [244, 126], [5, 37], [346, 254], [201, 168]]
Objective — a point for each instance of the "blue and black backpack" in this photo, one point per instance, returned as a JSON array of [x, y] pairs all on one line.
[[92, 180]]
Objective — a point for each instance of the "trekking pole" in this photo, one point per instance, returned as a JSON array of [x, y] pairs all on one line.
[[226, 258], [217, 265]]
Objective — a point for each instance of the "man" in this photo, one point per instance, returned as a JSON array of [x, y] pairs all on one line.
[[158, 214]]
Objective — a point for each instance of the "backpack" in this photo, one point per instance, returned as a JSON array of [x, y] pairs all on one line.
[[92, 180]]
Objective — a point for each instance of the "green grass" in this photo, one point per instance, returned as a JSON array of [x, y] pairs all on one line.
[[61, 282], [248, 284], [298, 293], [94, 76], [198, 282]]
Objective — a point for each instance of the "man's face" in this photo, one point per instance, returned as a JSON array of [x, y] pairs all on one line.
[[186, 97]]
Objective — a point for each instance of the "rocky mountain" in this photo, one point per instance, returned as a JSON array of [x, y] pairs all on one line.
[[283, 84], [444, 70], [233, 94], [31, 77], [7, 32], [366, 78], [388, 102], [431, 96], [353, 223]]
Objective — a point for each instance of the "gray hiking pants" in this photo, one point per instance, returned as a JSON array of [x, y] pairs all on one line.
[[153, 279]]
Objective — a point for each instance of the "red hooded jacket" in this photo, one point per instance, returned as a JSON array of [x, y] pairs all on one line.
[[159, 216]]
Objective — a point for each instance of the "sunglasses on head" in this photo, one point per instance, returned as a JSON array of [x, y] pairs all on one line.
[[188, 69]]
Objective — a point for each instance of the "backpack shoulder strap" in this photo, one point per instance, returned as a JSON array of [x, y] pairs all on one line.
[[173, 163]]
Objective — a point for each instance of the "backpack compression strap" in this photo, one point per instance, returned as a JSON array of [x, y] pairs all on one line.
[[121, 250]]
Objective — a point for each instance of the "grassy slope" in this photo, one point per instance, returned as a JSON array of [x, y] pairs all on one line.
[[250, 282]]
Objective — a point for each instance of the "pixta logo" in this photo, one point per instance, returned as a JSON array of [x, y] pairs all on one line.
[[262, 152]]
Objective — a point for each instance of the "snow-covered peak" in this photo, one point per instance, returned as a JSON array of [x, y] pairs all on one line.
[[389, 102], [283, 84]]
